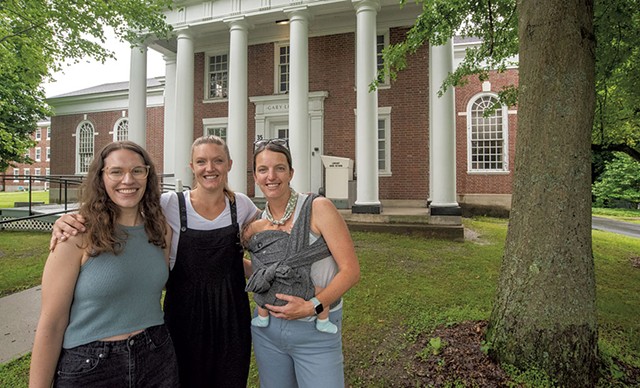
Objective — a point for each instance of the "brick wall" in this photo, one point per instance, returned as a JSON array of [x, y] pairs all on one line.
[[43, 164], [477, 182], [63, 139]]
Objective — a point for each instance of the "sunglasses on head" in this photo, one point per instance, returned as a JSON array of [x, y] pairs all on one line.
[[259, 144]]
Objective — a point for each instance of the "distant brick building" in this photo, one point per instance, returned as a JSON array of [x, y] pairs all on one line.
[[243, 75], [40, 154]]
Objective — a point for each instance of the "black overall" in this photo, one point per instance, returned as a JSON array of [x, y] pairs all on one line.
[[206, 307]]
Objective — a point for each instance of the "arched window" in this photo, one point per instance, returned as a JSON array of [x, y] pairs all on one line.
[[84, 147], [121, 130], [487, 135]]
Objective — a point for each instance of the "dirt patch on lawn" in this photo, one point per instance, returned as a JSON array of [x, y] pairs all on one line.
[[456, 360]]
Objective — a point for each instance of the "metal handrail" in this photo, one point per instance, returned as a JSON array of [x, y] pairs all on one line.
[[65, 181]]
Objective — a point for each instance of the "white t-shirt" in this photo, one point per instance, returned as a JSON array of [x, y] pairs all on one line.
[[245, 209]]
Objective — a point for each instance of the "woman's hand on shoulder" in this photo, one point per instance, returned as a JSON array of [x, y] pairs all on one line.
[[66, 226]]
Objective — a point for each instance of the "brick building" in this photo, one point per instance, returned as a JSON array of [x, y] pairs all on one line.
[[40, 154], [255, 70]]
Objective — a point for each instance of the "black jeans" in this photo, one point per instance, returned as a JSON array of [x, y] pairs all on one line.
[[146, 359]]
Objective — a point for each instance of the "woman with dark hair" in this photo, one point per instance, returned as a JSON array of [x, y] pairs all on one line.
[[304, 243], [101, 323]]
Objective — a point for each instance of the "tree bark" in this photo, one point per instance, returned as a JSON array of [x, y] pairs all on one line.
[[544, 314]]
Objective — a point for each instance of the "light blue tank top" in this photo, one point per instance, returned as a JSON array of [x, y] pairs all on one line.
[[118, 294]]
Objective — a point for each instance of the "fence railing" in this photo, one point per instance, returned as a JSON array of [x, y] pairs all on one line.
[[63, 190]]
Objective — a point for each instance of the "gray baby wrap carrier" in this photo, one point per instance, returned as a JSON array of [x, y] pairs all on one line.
[[282, 262]]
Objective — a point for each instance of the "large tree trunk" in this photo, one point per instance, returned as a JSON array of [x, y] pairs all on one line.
[[544, 314]]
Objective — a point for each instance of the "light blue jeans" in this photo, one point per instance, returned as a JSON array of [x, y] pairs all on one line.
[[294, 354]]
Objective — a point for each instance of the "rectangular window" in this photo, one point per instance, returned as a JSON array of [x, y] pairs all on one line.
[[382, 41], [47, 171], [38, 154], [16, 172], [283, 59], [48, 154], [384, 141], [26, 173], [36, 172], [218, 76], [38, 134], [48, 133], [221, 132]]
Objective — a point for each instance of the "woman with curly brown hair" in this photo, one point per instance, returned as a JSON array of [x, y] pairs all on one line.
[[101, 322]]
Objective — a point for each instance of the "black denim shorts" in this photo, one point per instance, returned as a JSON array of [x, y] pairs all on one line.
[[147, 359]]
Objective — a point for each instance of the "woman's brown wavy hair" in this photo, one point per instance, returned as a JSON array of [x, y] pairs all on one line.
[[101, 213]]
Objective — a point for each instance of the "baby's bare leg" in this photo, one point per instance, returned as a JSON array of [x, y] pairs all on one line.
[[323, 323]]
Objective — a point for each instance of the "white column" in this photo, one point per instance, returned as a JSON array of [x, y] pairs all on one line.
[[299, 136], [442, 137], [238, 100], [169, 114], [138, 96], [183, 127], [367, 109]]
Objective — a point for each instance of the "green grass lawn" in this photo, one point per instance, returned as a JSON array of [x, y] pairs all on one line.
[[7, 199], [410, 285], [22, 258]]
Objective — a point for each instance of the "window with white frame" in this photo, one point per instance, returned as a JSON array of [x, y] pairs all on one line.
[[47, 171], [218, 76], [121, 130], [38, 154], [84, 143], [487, 132], [49, 133], [384, 141], [16, 172], [382, 41], [216, 126], [48, 155], [38, 134], [282, 68], [221, 132], [26, 171], [36, 172]]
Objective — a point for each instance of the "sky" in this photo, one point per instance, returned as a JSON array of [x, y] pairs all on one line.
[[88, 73]]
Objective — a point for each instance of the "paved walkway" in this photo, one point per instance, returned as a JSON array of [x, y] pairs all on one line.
[[18, 320], [19, 312]]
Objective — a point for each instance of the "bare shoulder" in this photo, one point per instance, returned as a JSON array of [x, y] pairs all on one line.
[[323, 204], [72, 251]]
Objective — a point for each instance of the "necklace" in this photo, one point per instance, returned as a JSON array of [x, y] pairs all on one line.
[[288, 212]]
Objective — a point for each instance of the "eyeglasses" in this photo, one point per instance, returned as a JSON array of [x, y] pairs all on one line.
[[117, 173], [260, 144]]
